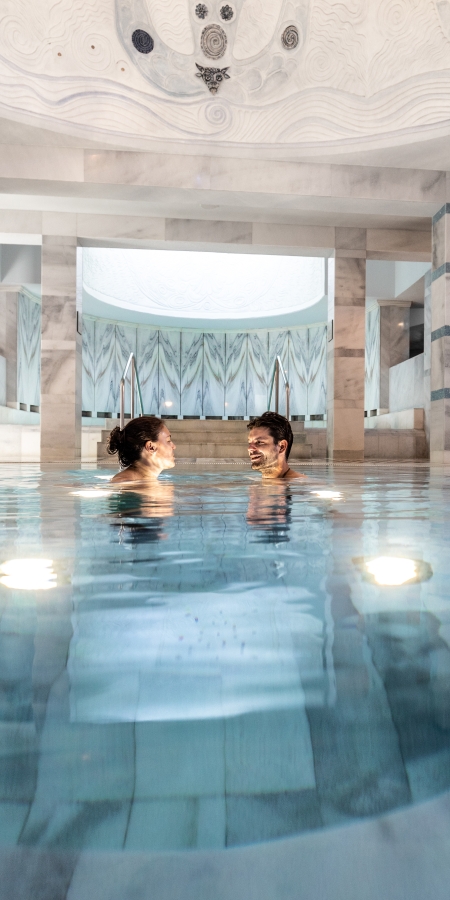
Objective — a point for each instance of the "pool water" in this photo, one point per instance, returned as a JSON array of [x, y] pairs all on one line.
[[211, 663]]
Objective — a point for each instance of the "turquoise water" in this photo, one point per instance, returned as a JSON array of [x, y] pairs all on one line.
[[211, 664]]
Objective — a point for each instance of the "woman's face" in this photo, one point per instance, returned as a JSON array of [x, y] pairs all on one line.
[[164, 449]]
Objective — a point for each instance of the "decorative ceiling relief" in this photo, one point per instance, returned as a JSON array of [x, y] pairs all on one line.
[[213, 41], [295, 73], [201, 11], [212, 77], [142, 41]]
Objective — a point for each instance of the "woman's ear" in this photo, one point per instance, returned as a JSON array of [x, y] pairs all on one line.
[[149, 447]]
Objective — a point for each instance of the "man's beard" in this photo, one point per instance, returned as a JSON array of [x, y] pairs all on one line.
[[263, 462]]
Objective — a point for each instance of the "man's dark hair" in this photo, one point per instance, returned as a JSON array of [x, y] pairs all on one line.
[[277, 426]]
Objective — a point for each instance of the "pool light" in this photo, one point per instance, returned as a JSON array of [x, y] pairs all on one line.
[[168, 403], [28, 574], [328, 495], [392, 570]]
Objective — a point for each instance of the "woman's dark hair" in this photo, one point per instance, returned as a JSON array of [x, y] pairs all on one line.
[[277, 426], [130, 441]]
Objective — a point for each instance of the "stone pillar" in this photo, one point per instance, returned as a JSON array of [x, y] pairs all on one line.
[[394, 341], [60, 352], [427, 357], [440, 339], [346, 346], [9, 300]]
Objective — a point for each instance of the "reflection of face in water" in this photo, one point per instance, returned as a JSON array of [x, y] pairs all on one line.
[[269, 510], [141, 512]]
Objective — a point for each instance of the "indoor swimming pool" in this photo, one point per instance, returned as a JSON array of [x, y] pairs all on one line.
[[219, 662]]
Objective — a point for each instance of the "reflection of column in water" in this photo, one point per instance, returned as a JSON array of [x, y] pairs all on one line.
[[358, 763]]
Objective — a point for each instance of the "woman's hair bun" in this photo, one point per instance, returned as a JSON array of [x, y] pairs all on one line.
[[114, 440]]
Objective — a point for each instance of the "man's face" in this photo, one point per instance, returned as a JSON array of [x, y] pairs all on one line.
[[262, 449]]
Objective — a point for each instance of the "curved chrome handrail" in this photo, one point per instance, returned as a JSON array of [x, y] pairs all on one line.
[[277, 368], [134, 377]]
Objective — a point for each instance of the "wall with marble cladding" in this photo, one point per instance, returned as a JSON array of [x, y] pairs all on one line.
[[406, 384], [372, 380], [194, 373], [28, 350]]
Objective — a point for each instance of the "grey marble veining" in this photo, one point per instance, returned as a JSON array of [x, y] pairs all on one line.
[[191, 373], [105, 366], [213, 374], [298, 371], [169, 372], [257, 372], [125, 344], [317, 370], [147, 365], [372, 365], [236, 374], [88, 376], [28, 347]]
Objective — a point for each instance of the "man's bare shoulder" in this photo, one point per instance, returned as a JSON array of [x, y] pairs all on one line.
[[293, 474]]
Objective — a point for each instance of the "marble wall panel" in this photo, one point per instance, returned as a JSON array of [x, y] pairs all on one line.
[[105, 367], [169, 353], [88, 369], [214, 374], [147, 366], [28, 351], [236, 374], [317, 370], [298, 371], [257, 372], [191, 373], [125, 344], [279, 346], [372, 376]]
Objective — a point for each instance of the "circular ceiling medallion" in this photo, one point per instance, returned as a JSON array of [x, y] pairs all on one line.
[[213, 41], [226, 13], [290, 38], [201, 11], [142, 41]]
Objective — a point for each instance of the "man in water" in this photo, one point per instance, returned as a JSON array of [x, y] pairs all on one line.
[[270, 440]]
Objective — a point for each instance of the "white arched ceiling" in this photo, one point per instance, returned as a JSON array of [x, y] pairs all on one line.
[[198, 286], [361, 71]]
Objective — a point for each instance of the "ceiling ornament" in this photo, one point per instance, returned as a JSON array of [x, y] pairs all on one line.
[[290, 37], [213, 41], [201, 11], [142, 41], [212, 77], [226, 13]]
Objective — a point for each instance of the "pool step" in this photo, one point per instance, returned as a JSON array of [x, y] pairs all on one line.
[[212, 439]]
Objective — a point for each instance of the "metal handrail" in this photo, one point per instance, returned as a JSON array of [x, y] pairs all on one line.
[[134, 377], [277, 368]]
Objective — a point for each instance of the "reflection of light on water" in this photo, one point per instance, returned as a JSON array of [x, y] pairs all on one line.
[[93, 492], [392, 570], [327, 495], [28, 574]]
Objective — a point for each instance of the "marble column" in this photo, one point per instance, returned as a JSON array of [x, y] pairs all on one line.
[[394, 341], [61, 360], [346, 346], [9, 299], [427, 357], [440, 339]]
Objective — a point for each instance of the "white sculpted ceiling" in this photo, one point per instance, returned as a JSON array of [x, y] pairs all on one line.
[[203, 285], [292, 72]]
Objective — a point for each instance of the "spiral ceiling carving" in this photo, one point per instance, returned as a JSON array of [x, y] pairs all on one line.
[[142, 41], [213, 41], [290, 38]]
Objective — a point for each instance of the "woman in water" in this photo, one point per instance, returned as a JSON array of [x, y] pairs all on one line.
[[144, 448]]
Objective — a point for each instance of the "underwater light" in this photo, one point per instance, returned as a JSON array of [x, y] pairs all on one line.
[[393, 571], [327, 495], [28, 574], [93, 492]]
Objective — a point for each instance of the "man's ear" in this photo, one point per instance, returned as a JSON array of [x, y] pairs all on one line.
[[283, 445]]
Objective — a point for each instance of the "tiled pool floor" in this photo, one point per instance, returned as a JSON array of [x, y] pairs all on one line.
[[216, 667]]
